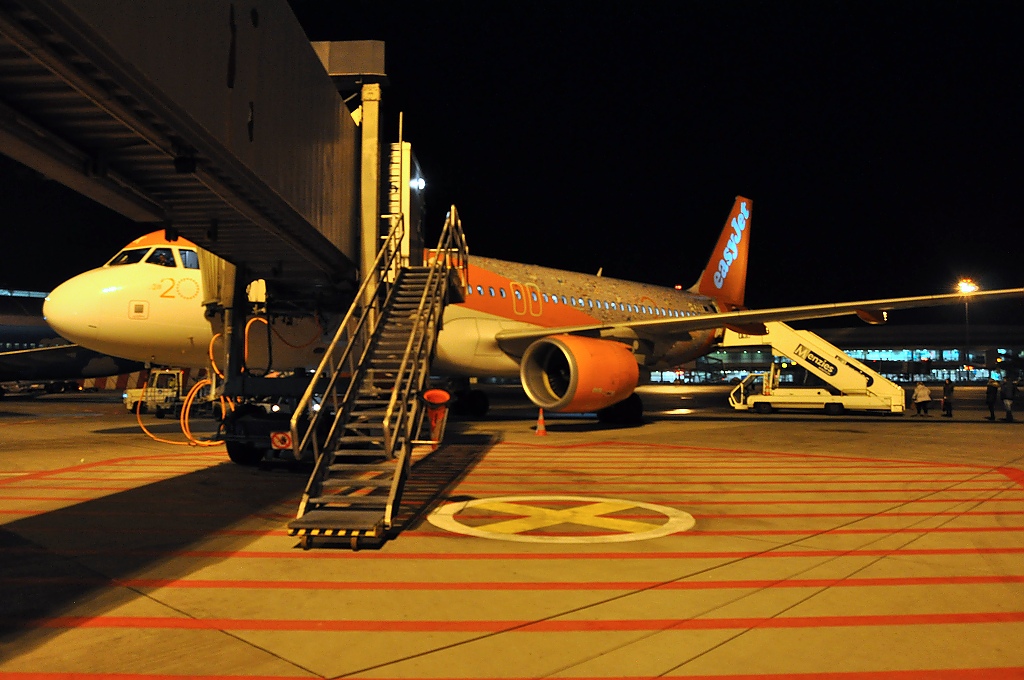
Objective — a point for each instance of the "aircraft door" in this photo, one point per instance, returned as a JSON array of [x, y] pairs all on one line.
[[518, 298], [533, 299]]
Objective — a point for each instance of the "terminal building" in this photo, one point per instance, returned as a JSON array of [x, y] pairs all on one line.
[[903, 354]]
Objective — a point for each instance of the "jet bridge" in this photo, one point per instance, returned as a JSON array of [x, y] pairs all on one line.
[[216, 120], [854, 385]]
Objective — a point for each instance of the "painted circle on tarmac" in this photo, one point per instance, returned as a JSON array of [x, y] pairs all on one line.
[[580, 519]]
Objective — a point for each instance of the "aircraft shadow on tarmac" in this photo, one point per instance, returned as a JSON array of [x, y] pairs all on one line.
[[59, 558], [76, 554]]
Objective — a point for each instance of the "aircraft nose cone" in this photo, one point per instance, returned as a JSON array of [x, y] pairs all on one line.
[[65, 311]]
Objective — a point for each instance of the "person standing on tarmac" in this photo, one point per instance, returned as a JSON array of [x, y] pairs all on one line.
[[1007, 393], [991, 397], [947, 399], [921, 397]]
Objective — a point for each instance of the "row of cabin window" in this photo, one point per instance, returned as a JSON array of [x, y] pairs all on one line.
[[587, 302], [19, 345]]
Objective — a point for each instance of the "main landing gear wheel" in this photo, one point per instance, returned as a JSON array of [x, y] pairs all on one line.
[[244, 454], [629, 411], [473, 403]]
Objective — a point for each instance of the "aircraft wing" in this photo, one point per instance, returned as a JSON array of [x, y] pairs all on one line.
[[60, 362], [749, 321]]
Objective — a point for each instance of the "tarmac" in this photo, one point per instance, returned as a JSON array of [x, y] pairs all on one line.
[[705, 543]]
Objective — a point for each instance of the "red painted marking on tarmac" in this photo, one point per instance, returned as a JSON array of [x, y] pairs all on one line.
[[894, 514], [131, 531], [46, 474], [7, 675], [512, 557], [875, 462], [69, 487], [1013, 474], [698, 533], [994, 483], [617, 474], [1004, 673], [949, 500], [545, 626], [755, 584], [512, 490]]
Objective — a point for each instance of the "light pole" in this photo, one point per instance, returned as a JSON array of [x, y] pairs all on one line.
[[966, 287]]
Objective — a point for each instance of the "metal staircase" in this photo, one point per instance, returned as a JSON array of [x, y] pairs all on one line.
[[364, 410], [854, 385]]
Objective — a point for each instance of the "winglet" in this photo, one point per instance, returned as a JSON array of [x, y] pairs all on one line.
[[725, 276]]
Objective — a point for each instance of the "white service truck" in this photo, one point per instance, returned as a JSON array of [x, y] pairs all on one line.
[[164, 393]]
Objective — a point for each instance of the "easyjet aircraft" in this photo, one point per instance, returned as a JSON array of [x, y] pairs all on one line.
[[578, 342]]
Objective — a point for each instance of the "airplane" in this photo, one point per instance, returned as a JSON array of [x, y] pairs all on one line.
[[577, 342], [32, 352]]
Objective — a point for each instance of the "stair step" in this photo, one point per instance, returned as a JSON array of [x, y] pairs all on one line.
[[365, 467], [368, 400], [350, 501], [364, 430], [369, 416], [337, 520], [355, 483], [363, 458]]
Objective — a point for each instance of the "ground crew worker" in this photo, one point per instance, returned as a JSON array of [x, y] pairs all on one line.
[[1007, 393]]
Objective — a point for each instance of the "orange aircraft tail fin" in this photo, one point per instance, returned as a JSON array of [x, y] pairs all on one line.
[[725, 277]]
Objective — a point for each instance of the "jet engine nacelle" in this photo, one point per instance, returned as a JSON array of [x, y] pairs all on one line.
[[578, 374]]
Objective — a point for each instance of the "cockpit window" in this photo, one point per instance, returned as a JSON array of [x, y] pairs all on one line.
[[161, 256], [130, 256], [189, 259]]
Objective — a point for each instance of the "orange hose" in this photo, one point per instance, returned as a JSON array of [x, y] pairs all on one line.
[[192, 441]]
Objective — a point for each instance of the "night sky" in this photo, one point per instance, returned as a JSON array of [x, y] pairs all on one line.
[[881, 142]]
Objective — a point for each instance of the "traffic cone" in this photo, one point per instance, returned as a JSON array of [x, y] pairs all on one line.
[[541, 430]]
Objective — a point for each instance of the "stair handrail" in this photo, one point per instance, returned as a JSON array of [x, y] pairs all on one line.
[[390, 251], [399, 423]]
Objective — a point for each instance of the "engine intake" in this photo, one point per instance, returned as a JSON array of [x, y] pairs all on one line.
[[578, 374]]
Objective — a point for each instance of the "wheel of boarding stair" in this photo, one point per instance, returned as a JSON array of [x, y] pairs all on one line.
[[763, 407]]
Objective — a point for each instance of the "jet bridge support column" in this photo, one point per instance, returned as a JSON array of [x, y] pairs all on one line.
[[370, 182], [234, 326]]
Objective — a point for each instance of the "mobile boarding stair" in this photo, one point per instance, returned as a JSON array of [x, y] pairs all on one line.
[[362, 428], [855, 385]]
